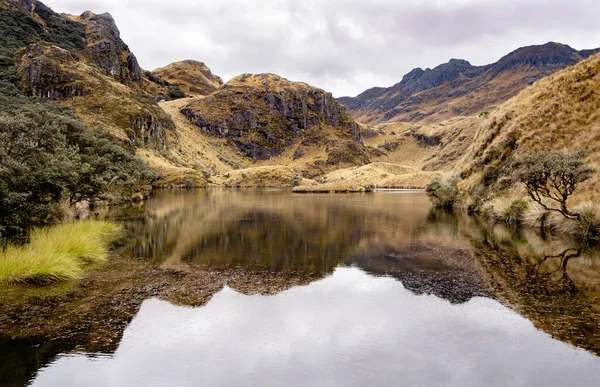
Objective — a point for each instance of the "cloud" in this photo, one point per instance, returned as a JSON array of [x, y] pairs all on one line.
[[344, 46]]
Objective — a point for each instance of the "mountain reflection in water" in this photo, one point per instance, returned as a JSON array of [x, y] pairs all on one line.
[[347, 329], [374, 288]]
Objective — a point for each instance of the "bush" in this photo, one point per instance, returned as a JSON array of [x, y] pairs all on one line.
[[175, 93], [443, 191], [47, 156], [552, 176], [515, 212]]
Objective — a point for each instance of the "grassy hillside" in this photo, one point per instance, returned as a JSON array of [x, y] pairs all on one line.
[[560, 112]]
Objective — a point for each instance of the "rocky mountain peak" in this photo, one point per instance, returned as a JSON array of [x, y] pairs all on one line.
[[107, 50], [26, 5], [191, 76], [549, 54], [264, 114]]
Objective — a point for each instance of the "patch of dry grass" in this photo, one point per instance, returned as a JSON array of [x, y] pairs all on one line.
[[58, 253], [262, 176]]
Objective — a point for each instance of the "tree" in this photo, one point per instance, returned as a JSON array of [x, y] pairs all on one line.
[[47, 156], [553, 176]]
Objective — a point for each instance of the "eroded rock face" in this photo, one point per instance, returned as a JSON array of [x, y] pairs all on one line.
[[264, 114], [48, 71], [27, 5], [106, 49]]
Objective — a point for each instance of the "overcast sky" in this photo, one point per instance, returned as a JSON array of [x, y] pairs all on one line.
[[344, 46]]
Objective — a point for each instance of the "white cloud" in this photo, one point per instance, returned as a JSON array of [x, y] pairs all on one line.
[[344, 46]]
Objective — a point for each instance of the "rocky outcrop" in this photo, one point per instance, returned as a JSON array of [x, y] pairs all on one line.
[[457, 88], [26, 5], [262, 115], [48, 71], [192, 77], [107, 50]]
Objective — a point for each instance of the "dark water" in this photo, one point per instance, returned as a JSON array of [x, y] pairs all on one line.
[[402, 295]]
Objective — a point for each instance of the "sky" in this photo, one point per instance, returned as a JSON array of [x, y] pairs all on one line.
[[343, 46]]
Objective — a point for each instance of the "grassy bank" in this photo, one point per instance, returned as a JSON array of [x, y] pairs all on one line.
[[58, 253]]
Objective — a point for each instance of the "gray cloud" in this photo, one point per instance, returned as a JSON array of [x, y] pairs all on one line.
[[344, 46]]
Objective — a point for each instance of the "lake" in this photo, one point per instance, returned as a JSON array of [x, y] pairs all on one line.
[[266, 287]]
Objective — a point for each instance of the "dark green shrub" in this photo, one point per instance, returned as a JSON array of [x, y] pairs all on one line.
[[514, 213], [443, 192], [175, 93]]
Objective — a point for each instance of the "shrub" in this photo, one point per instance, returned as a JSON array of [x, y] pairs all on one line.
[[47, 156], [553, 176], [443, 191], [515, 212], [175, 93]]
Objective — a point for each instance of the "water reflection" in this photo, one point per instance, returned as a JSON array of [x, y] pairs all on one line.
[[385, 233], [348, 329], [384, 264]]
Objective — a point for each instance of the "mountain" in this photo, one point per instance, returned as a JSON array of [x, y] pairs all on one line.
[[192, 77], [458, 88], [560, 112], [265, 116], [253, 121]]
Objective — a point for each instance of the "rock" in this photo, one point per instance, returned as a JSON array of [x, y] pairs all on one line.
[[107, 50], [262, 115], [192, 77], [48, 71], [27, 5]]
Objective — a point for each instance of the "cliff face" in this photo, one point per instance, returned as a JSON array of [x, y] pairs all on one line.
[[81, 62], [457, 88], [107, 50], [49, 71], [192, 77], [264, 115]]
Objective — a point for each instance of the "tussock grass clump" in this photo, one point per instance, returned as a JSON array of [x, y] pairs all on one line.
[[57, 253], [587, 226]]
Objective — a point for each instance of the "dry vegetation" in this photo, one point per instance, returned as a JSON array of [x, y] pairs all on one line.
[[192, 77], [368, 177], [57, 254], [560, 112]]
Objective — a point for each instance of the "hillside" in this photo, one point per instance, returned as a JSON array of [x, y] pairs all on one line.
[[192, 77], [267, 117], [458, 88], [560, 112]]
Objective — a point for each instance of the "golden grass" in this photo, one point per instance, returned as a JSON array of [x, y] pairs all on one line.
[[368, 177], [559, 112], [58, 253], [193, 77], [262, 176]]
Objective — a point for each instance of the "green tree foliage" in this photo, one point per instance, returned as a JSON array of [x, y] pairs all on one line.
[[552, 176], [443, 191], [48, 156]]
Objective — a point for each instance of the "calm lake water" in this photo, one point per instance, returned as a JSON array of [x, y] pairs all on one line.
[[400, 295]]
